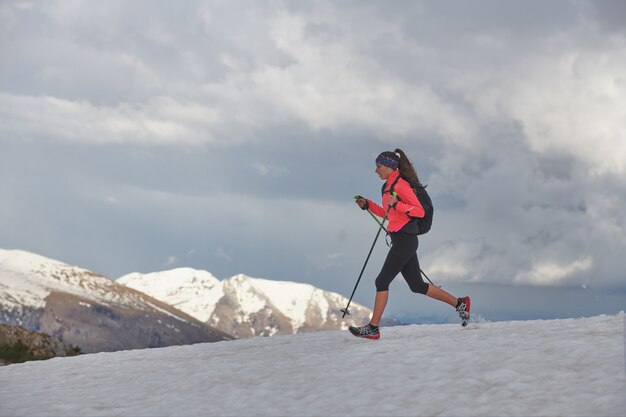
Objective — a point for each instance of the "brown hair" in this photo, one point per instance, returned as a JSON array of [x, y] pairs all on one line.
[[406, 168]]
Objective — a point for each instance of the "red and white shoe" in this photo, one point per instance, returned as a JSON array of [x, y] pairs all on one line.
[[463, 308]]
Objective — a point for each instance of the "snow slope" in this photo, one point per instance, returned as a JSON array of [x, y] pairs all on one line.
[[572, 367]]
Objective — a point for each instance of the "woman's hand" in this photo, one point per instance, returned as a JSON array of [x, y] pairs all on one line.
[[362, 203], [393, 199]]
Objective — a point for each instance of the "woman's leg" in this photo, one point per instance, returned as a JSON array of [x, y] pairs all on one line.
[[379, 307], [403, 247], [412, 275], [441, 295]]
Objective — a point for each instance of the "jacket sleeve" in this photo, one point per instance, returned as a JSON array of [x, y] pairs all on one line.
[[407, 200], [376, 209]]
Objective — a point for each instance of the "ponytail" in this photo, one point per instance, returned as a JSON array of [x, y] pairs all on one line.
[[406, 168]]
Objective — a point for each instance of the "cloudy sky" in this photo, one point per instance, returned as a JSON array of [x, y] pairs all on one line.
[[231, 136]]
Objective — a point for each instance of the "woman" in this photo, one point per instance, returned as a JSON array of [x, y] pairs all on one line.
[[401, 208]]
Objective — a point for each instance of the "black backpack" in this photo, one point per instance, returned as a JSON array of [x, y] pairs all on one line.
[[423, 223]]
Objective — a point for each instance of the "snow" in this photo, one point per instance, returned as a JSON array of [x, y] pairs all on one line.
[[290, 298], [26, 279], [250, 301], [196, 292], [161, 310], [572, 367], [17, 289]]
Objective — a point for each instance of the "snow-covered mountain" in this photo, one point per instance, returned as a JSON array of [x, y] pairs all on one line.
[[572, 367], [244, 306], [89, 310]]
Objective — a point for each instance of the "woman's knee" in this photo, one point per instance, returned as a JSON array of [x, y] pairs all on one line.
[[382, 283], [420, 288]]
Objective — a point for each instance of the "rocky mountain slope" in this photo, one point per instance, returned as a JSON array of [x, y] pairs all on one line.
[[88, 310], [18, 344], [244, 306]]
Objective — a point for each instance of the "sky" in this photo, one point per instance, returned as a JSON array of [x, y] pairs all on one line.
[[232, 136], [322, 374]]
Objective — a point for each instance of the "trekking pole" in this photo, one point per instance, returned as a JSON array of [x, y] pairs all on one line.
[[426, 276], [345, 310], [377, 221], [386, 231]]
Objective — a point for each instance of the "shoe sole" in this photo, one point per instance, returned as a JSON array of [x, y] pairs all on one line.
[[367, 337]]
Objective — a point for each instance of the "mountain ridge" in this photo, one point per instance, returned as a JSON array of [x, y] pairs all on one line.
[[246, 306], [89, 310]]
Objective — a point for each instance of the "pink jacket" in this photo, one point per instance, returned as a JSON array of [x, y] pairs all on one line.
[[408, 205]]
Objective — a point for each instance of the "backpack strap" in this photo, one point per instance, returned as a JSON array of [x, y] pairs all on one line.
[[391, 187]]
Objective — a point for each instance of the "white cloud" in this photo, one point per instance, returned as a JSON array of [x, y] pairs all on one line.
[[325, 84], [462, 260], [332, 86], [160, 121], [568, 99], [553, 273]]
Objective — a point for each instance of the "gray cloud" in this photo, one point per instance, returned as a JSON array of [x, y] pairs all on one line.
[[232, 136]]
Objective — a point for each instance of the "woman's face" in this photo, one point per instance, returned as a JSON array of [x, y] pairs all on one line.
[[383, 171]]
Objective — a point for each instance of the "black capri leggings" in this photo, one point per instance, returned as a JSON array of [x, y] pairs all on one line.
[[402, 258]]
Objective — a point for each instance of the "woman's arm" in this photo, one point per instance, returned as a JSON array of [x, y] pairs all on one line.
[[407, 200]]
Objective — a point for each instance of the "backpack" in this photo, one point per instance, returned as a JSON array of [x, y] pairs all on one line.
[[423, 223]]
